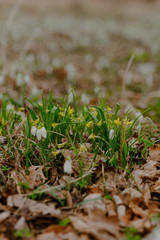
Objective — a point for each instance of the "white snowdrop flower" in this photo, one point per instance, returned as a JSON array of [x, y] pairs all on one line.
[[56, 62], [9, 107], [103, 62], [147, 68], [85, 98], [43, 132], [71, 70], [19, 79], [35, 90], [39, 134], [111, 134], [33, 130], [68, 166], [27, 79]]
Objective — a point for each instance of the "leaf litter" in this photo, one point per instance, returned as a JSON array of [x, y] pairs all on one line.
[[112, 200]]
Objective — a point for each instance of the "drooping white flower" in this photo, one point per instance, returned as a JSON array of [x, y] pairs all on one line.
[[9, 107], [71, 70], [68, 165], [111, 134], [33, 130], [43, 132], [39, 134]]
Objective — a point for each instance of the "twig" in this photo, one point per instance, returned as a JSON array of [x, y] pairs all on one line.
[[63, 185]]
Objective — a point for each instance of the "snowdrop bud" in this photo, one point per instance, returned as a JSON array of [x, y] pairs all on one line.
[[33, 130], [68, 165], [111, 134], [44, 132], [39, 134]]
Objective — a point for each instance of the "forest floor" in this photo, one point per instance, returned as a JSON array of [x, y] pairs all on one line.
[[84, 164]]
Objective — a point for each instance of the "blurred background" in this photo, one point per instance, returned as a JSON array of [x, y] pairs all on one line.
[[99, 48]]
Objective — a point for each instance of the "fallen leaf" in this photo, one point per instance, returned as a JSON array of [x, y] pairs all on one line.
[[48, 236], [36, 176], [121, 209], [21, 223], [35, 208], [154, 152], [96, 225], [3, 216], [92, 202]]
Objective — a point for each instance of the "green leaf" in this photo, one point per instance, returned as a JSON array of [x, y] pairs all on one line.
[[64, 222]]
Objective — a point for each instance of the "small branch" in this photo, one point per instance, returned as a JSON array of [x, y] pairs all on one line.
[[63, 185]]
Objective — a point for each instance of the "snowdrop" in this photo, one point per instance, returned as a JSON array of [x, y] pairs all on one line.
[[111, 134], [33, 130], [43, 132], [71, 70], [39, 133], [9, 107], [68, 166], [27, 79]]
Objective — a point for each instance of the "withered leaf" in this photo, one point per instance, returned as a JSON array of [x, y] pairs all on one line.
[[36, 176]]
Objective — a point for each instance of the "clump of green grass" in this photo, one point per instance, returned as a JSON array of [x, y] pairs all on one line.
[[40, 131]]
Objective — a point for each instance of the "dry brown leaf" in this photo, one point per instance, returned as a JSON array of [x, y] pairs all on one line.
[[44, 209], [33, 206], [3, 237], [154, 152], [96, 188], [69, 199], [96, 225], [53, 172], [92, 202], [2, 177], [48, 236], [16, 200], [62, 232], [21, 223], [114, 181], [146, 194], [121, 209], [110, 208], [130, 194], [58, 229], [138, 175], [4, 215], [141, 224], [36, 176], [17, 177]]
